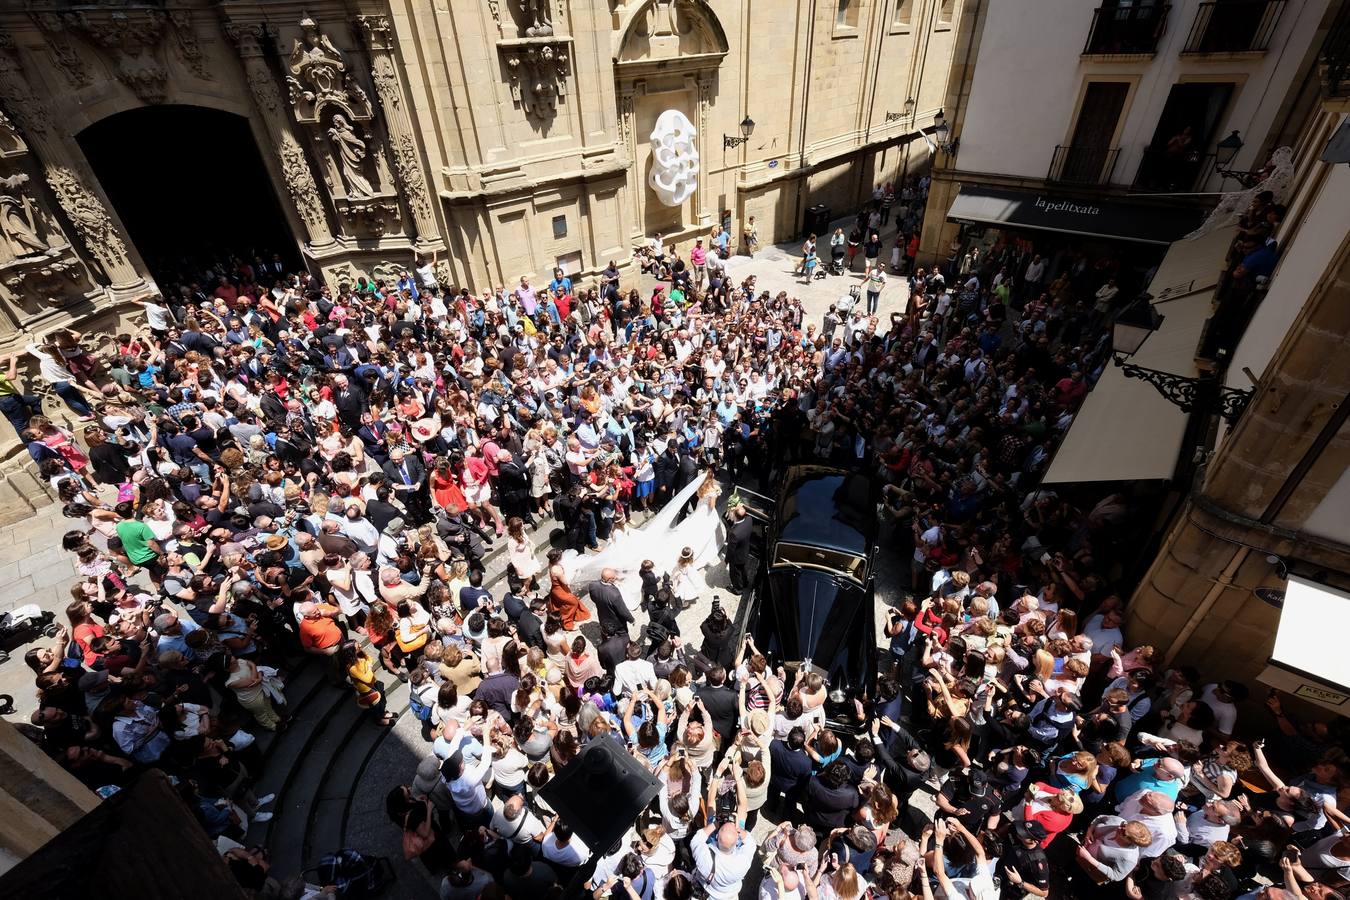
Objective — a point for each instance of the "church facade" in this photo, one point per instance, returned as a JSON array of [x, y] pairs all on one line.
[[496, 137]]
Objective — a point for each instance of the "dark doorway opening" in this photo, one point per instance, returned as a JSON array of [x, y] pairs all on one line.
[[191, 189]]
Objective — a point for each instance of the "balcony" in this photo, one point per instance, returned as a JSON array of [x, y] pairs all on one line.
[[1082, 165], [1164, 173], [1234, 26], [1334, 61], [1126, 30]]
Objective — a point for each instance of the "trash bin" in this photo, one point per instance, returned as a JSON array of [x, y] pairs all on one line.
[[816, 220]]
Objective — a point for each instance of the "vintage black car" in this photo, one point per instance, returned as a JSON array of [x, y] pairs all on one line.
[[811, 609]]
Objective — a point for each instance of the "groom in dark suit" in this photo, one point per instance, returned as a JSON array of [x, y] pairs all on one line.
[[612, 610], [739, 534]]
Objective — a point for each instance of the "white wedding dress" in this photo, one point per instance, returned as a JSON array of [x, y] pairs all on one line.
[[659, 540]]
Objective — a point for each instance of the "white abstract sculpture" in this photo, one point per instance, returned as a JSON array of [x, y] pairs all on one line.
[[674, 158]]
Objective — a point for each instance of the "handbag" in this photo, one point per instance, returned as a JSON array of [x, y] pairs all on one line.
[[418, 841]]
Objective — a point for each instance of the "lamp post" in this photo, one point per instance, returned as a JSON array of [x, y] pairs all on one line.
[[1224, 153], [1203, 393], [942, 131], [747, 129]]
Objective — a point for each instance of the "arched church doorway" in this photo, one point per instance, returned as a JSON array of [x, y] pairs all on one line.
[[191, 189]]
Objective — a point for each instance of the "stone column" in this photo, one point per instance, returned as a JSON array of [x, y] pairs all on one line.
[[251, 38], [74, 186], [379, 37], [705, 87]]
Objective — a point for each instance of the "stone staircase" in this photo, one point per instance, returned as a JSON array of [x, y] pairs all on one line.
[[329, 768]]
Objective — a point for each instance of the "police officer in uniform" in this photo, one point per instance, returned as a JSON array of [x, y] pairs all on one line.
[[1023, 869]]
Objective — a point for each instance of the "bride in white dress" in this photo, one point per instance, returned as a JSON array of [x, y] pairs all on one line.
[[661, 541]]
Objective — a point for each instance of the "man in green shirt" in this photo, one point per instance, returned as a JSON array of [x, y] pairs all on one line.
[[138, 541]]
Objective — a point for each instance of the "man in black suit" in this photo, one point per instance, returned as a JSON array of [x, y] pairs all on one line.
[[350, 403], [380, 511], [739, 534], [719, 702], [513, 487], [666, 467], [613, 612], [408, 477]]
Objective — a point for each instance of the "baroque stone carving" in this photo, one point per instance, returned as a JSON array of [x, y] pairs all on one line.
[[88, 215], [674, 175], [537, 70], [319, 77], [29, 113], [538, 17], [189, 50], [409, 172], [300, 182], [132, 41], [21, 227], [68, 60]]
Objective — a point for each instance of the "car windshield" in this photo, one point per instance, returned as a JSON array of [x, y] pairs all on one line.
[[787, 554]]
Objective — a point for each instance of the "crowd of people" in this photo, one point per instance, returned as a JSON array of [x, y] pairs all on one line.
[[274, 470]]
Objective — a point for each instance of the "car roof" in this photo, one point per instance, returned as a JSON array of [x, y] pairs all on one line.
[[821, 506]]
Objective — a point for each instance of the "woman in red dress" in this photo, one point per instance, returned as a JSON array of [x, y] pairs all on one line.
[[445, 488]]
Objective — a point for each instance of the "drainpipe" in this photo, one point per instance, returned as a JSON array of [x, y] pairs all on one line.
[[806, 108]]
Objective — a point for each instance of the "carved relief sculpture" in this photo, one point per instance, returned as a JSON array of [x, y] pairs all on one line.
[[132, 41], [319, 76], [19, 222], [350, 151], [379, 37], [68, 60], [188, 49], [88, 215], [538, 17], [674, 175], [300, 182], [538, 75]]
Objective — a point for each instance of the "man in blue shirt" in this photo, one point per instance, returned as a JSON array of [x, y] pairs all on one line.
[[560, 284]]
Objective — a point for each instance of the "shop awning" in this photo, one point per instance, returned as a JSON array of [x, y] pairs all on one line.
[[1090, 218], [1310, 639], [1193, 265], [1125, 430]]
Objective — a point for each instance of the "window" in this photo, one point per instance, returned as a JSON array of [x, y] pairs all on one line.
[[946, 9], [846, 15], [559, 227], [904, 15]]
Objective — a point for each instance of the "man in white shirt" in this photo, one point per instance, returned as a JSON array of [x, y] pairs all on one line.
[[1153, 810], [722, 860], [465, 780], [561, 848], [783, 883], [516, 824], [634, 673]]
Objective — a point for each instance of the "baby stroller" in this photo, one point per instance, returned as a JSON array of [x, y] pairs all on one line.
[[837, 252], [22, 625]]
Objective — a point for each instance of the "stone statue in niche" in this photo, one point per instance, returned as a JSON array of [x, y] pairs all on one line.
[[538, 17], [19, 223], [350, 152], [674, 176]]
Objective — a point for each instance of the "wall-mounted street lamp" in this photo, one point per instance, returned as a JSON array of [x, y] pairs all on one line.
[[747, 129], [1224, 153], [1202, 394], [942, 132]]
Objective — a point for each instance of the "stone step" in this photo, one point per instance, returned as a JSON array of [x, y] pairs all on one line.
[[331, 803], [303, 682], [289, 751]]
